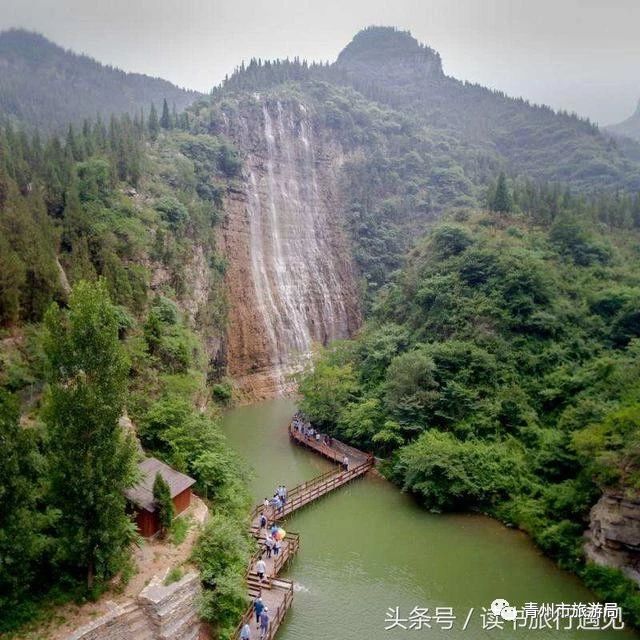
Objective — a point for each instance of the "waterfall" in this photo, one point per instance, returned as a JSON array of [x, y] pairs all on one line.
[[300, 272]]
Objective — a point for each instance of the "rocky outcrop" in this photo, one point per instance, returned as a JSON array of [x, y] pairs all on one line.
[[172, 610], [613, 537], [290, 277], [159, 613]]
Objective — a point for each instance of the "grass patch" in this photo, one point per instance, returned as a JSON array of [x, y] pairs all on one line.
[[174, 575], [179, 529]]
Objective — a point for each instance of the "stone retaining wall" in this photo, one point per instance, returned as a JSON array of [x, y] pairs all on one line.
[[159, 613]]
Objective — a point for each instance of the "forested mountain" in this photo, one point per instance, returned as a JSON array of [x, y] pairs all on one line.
[[629, 127], [417, 142], [111, 296], [45, 87], [499, 372], [498, 367], [479, 128]]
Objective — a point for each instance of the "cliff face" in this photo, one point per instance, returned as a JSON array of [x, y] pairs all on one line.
[[613, 538], [290, 278]]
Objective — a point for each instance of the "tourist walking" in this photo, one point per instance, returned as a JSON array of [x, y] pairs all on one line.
[[258, 607], [261, 569], [263, 521], [277, 545], [264, 623], [245, 634], [345, 463], [269, 544]]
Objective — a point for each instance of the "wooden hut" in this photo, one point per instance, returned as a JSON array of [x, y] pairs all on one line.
[[141, 494]]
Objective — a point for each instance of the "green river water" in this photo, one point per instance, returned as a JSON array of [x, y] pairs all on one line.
[[368, 547]]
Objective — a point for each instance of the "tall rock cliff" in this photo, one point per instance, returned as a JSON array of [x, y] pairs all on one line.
[[290, 277]]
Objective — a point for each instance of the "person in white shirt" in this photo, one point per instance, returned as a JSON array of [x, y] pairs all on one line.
[[261, 569]]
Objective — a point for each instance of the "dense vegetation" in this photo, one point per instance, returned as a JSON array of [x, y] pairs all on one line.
[[418, 142], [499, 372], [98, 236], [38, 77]]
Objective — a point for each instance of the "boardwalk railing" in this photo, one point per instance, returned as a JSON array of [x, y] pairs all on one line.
[[298, 497], [275, 619]]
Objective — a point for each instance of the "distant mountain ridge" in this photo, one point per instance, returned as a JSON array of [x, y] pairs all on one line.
[[47, 87], [483, 131], [391, 66], [629, 127]]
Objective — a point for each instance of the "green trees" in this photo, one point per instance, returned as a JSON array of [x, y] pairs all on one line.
[[498, 372], [153, 124], [163, 503], [91, 459], [326, 389], [23, 538], [501, 201], [165, 118], [447, 473]]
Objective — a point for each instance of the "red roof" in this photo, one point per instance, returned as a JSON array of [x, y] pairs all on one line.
[[141, 494]]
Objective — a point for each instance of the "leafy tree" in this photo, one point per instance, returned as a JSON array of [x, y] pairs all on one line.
[[448, 474], [502, 201], [92, 460], [325, 390], [163, 503]]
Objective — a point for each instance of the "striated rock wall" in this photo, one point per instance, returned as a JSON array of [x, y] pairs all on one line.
[[290, 277], [159, 613], [613, 537]]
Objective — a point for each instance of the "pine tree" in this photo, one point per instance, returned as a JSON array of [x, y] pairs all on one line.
[[164, 504], [92, 460], [153, 124], [502, 201], [22, 540], [165, 118]]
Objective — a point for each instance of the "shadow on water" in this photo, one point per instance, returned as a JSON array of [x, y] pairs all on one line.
[[368, 547]]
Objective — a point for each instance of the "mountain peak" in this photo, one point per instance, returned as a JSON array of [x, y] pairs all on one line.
[[389, 49], [28, 45]]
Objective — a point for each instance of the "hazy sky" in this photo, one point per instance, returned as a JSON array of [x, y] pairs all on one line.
[[579, 55]]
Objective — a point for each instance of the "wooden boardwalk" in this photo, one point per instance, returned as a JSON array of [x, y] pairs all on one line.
[[276, 593]]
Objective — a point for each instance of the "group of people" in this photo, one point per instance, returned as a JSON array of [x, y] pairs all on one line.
[[272, 546], [279, 499], [304, 427], [262, 620]]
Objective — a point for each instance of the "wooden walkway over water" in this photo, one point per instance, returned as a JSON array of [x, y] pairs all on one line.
[[276, 593]]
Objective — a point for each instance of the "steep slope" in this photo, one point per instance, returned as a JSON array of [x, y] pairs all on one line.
[[629, 127], [391, 66], [290, 273], [37, 78]]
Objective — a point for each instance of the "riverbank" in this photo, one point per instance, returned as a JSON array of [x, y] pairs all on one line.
[[369, 547]]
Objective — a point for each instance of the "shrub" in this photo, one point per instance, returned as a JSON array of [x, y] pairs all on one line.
[[173, 212], [447, 474]]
